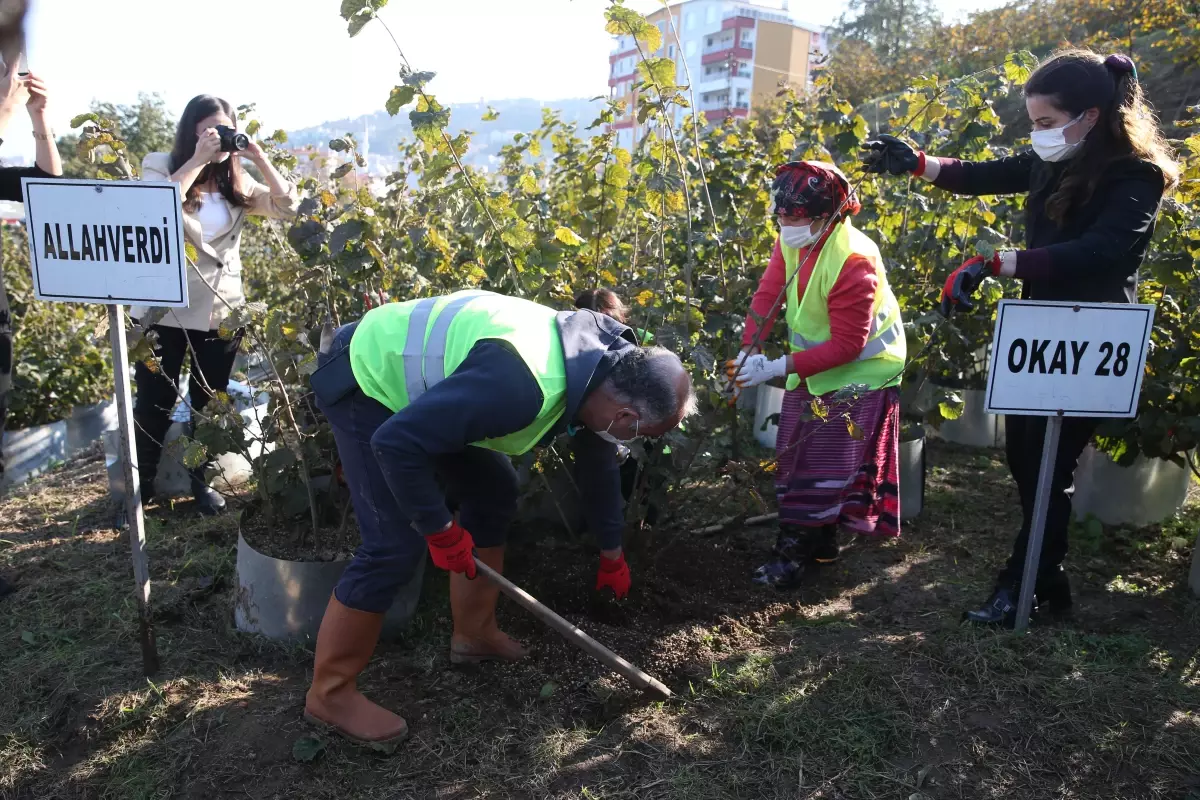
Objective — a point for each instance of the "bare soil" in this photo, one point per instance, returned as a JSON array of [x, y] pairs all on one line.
[[862, 684]]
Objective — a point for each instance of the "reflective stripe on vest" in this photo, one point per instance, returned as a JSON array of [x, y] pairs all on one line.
[[874, 346], [425, 361]]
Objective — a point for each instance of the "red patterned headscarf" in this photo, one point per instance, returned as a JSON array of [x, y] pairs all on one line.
[[812, 189]]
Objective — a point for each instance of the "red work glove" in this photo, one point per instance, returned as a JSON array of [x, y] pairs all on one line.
[[452, 550], [962, 283], [614, 574]]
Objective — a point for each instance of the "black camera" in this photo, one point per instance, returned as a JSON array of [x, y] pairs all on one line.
[[231, 140]]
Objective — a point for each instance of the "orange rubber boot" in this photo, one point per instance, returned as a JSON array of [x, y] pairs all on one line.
[[473, 604], [345, 644]]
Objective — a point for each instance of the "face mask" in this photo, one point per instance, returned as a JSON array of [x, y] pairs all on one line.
[[1052, 145], [796, 236]]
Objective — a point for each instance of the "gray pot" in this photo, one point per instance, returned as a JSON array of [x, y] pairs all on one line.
[[29, 451], [285, 600], [768, 402], [1147, 492], [976, 427], [912, 477]]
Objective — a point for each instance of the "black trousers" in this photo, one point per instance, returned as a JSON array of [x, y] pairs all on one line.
[[211, 364], [6, 364], [1024, 438]]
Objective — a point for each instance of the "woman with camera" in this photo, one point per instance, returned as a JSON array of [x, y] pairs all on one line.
[[1095, 178], [218, 195]]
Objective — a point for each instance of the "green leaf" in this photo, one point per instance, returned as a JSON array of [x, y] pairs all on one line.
[[91, 116], [527, 183], [400, 97], [342, 171], [339, 145], [950, 410], [417, 79], [307, 748], [344, 234], [491, 115], [253, 127], [27, 638], [548, 689], [429, 120], [659, 71], [279, 137], [568, 236], [1019, 66], [985, 249]]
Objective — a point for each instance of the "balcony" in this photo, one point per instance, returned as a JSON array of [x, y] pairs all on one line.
[[737, 19], [718, 114], [737, 53], [723, 83]]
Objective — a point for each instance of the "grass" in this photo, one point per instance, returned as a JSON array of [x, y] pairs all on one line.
[[861, 686]]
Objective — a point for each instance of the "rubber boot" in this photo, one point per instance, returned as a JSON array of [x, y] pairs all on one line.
[[1053, 590], [345, 644], [476, 636]]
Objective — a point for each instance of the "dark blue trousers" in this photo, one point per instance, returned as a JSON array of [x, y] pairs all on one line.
[[481, 484]]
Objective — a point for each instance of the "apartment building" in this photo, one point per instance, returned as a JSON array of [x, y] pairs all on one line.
[[733, 54]]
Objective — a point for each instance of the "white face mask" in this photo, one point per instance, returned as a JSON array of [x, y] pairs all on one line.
[[796, 236], [1051, 145], [608, 437]]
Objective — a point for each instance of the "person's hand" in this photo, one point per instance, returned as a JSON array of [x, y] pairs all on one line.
[[254, 152], [38, 95], [731, 369], [452, 550], [207, 147], [886, 153], [962, 283], [757, 369], [613, 574]]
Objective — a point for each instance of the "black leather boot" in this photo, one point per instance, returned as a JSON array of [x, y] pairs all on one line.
[[1000, 609], [208, 500], [1053, 591], [825, 545], [148, 433]]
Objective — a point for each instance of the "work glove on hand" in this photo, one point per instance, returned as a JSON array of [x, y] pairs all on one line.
[[756, 369], [962, 283], [886, 153], [451, 550], [614, 574]]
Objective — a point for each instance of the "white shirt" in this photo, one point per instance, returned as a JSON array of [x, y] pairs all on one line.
[[214, 215]]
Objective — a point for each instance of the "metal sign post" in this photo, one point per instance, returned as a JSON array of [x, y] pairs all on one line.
[[114, 243], [1059, 360]]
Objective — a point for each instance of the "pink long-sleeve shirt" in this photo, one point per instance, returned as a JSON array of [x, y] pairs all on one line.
[[850, 302]]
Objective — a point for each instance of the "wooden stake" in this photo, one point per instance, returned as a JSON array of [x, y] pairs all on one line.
[[573, 635], [133, 488]]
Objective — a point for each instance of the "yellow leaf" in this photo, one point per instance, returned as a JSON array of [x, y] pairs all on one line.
[[644, 297], [527, 183], [608, 277], [568, 236], [856, 433], [787, 142], [819, 409], [327, 198]]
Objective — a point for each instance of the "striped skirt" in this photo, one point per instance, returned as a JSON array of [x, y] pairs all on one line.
[[826, 476]]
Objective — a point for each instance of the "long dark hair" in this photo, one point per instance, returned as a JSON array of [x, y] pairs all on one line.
[[1077, 79], [228, 174]]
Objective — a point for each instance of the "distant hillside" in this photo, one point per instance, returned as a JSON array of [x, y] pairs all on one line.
[[386, 132]]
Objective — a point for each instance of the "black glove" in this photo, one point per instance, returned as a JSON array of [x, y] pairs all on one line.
[[886, 153]]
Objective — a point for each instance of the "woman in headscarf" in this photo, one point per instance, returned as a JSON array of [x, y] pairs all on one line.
[[837, 456]]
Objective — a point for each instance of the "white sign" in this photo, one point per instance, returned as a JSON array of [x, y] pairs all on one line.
[[112, 242], [1077, 359]]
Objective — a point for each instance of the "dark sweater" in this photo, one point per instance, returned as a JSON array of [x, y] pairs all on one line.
[[1095, 255], [492, 393]]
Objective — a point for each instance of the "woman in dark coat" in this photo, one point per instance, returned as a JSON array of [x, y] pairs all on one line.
[[1095, 179]]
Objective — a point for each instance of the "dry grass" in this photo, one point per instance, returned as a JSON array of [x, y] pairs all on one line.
[[862, 686]]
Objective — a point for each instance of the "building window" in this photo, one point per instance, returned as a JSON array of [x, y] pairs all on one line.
[[708, 42], [712, 16], [670, 51], [690, 48]]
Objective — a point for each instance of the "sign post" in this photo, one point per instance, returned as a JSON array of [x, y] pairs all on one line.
[[1059, 360], [117, 243]]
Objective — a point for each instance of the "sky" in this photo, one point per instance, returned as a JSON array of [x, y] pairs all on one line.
[[295, 60]]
